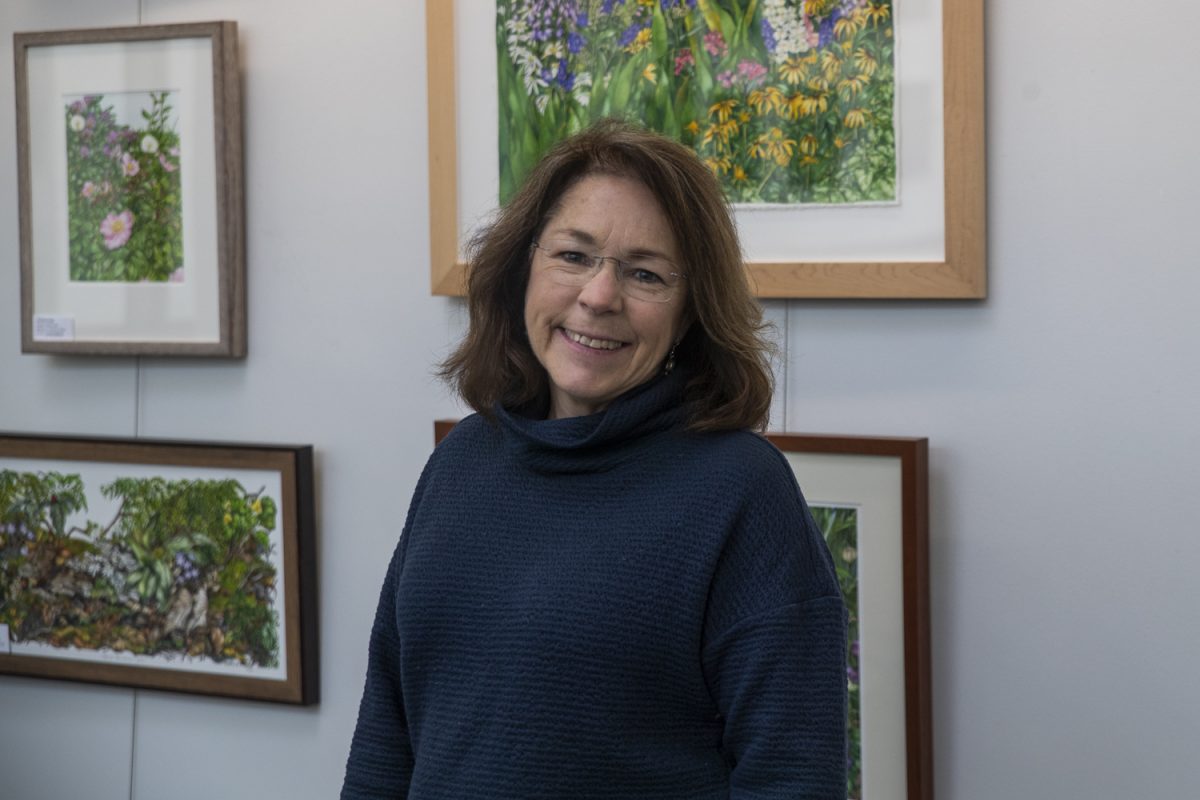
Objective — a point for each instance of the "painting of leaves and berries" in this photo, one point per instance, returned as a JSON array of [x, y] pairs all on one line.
[[180, 566], [125, 220], [787, 101]]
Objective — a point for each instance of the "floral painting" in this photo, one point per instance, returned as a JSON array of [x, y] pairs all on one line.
[[180, 570], [124, 214], [839, 524], [787, 101]]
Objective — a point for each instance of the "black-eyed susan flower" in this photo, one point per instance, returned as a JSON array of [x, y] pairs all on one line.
[[722, 109], [855, 118]]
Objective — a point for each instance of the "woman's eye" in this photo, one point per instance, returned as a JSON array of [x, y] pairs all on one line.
[[573, 257], [642, 275]]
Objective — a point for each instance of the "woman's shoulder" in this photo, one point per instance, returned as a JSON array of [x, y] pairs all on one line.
[[742, 454]]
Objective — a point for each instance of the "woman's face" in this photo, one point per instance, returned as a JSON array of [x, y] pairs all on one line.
[[595, 342]]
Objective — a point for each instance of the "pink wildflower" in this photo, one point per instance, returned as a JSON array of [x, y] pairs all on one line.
[[167, 165], [129, 165], [89, 190], [684, 60], [752, 72], [176, 276], [726, 79], [116, 229], [715, 44]]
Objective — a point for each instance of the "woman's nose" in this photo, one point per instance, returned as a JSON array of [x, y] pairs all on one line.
[[603, 291]]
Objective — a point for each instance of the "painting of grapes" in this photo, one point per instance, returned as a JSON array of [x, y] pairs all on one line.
[[124, 214], [787, 101], [177, 569], [839, 524]]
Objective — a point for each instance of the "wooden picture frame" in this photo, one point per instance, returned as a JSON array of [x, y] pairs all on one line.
[[884, 481], [959, 274], [129, 174], [172, 565]]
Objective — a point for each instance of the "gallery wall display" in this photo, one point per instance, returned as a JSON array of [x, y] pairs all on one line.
[[870, 498], [129, 174], [848, 135], [182, 566]]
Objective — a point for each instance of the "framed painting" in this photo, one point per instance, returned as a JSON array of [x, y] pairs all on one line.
[[181, 566], [129, 177], [870, 498], [847, 134]]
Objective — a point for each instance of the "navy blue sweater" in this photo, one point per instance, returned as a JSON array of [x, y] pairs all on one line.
[[605, 606]]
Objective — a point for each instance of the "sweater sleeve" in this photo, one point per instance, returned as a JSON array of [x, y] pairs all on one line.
[[381, 760], [775, 648]]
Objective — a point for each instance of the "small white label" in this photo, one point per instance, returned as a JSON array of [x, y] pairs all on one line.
[[48, 328], [5, 647]]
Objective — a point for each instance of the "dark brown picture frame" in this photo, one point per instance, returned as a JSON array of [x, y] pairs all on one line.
[[220, 305], [288, 546], [909, 457]]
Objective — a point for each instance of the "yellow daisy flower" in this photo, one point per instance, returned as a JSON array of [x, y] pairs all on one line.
[[649, 73], [793, 70], [865, 62], [640, 42], [722, 109], [855, 118], [878, 13]]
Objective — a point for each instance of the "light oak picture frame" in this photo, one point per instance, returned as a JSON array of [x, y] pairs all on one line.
[[960, 274]]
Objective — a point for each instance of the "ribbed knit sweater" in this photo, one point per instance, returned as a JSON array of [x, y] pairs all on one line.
[[605, 606]]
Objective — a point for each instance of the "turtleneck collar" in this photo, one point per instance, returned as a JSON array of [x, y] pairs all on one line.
[[595, 442]]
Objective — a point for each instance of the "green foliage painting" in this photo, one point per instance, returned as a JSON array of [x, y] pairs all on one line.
[[787, 101], [840, 526], [184, 567], [124, 213]]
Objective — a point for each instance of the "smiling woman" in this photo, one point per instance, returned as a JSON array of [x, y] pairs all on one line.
[[593, 330], [607, 585]]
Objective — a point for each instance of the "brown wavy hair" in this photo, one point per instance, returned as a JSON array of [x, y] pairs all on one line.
[[725, 349]]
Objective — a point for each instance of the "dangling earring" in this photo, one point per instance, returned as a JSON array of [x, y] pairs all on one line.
[[670, 365]]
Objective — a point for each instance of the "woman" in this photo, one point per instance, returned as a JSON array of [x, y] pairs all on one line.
[[606, 585]]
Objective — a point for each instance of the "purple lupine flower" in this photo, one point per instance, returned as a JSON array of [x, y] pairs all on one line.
[[854, 648], [84, 151], [575, 42], [582, 20], [826, 31], [564, 78], [77, 106], [632, 31], [546, 17], [768, 34], [852, 674], [607, 7]]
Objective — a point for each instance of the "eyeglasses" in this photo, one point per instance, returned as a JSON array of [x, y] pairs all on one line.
[[650, 278]]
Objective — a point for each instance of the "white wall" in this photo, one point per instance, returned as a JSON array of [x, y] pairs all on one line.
[[1061, 411]]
